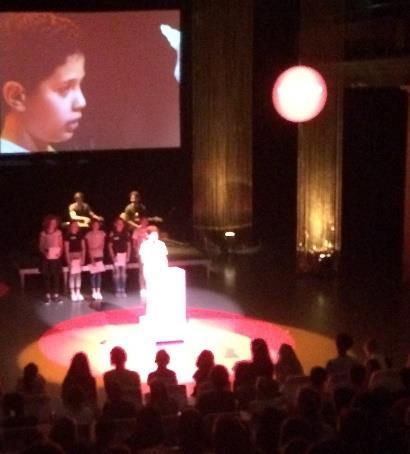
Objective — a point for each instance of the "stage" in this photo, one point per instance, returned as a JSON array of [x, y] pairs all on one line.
[[244, 297]]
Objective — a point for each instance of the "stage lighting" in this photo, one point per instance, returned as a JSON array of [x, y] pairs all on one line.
[[299, 93]]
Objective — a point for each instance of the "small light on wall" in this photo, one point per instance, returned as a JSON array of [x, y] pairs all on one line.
[[230, 234]]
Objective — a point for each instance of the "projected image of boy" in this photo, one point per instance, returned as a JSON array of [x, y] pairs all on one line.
[[42, 68]]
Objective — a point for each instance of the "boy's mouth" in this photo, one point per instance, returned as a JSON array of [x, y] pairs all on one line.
[[72, 125]]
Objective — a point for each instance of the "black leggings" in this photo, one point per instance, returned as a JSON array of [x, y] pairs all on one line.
[[51, 274]]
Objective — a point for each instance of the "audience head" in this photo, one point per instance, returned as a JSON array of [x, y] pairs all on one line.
[[118, 357], [372, 347], [104, 432], [162, 358], [259, 349], [30, 373], [344, 342], [190, 431], [266, 388], [243, 373], [266, 426], [205, 360], [80, 365], [219, 377], [286, 353], [230, 436], [318, 377], [64, 432], [308, 403], [150, 430]]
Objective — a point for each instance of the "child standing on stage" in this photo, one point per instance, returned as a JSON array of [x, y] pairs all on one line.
[[119, 247], [74, 246], [51, 249], [95, 240]]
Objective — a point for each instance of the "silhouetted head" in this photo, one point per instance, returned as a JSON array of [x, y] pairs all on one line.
[[219, 377], [162, 358], [344, 342], [118, 357], [205, 360]]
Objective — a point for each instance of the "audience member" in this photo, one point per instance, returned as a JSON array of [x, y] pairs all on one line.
[[230, 436], [160, 400], [149, 434], [14, 414], [261, 362], [219, 398], [128, 380], [309, 406], [190, 432], [288, 364], [77, 407], [79, 374], [244, 383], [163, 374], [64, 433], [352, 418], [204, 363], [374, 351], [265, 425], [116, 406], [32, 382], [339, 368]]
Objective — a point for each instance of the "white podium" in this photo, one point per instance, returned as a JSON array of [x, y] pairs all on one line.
[[165, 315]]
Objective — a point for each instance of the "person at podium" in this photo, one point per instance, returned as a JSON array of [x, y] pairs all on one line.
[[154, 254]]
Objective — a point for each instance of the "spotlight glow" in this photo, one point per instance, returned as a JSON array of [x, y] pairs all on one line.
[[299, 94]]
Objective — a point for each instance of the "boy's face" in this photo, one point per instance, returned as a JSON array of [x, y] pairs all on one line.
[[53, 110]]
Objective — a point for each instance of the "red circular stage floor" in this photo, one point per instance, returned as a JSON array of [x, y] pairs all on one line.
[[227, 334]]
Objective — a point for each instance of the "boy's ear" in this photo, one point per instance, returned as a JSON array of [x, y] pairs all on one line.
[[14, 95]]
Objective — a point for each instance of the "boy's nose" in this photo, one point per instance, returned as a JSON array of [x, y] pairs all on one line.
[[79, 100]]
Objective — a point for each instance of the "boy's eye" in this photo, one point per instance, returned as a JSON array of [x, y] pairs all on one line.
[[63, 91]]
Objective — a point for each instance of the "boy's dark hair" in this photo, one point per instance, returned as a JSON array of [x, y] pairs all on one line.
[[33, 44], [344, 342]]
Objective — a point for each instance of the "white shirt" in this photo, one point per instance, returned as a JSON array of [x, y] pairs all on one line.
[[7, 147]]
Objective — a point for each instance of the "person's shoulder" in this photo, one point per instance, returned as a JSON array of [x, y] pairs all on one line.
[[8, 147], [109, 374]]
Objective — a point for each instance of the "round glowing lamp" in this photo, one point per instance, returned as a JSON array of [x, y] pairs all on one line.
[[299, 93]]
